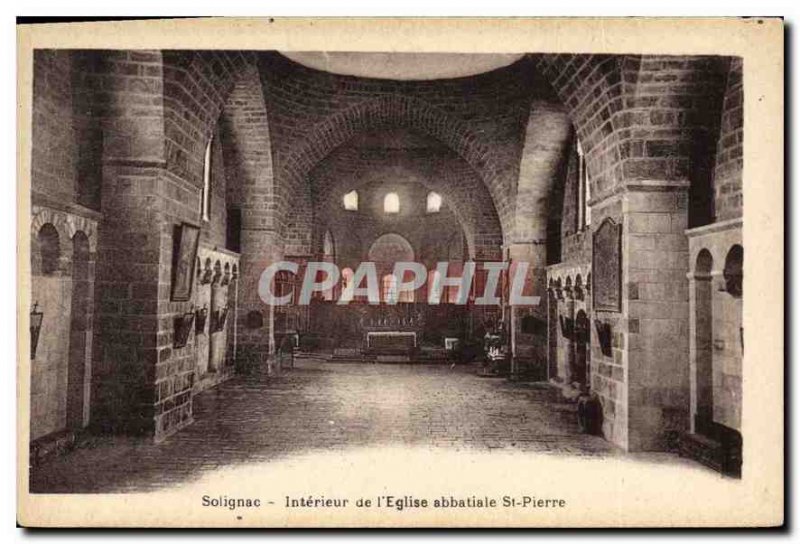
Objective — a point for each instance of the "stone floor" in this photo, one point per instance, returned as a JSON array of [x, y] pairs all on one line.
[[330, 406]]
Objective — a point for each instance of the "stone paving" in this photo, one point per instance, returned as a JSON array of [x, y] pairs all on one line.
[[329, 406]]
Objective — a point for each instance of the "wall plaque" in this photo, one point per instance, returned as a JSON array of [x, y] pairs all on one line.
[[607, 266], [186, 238]]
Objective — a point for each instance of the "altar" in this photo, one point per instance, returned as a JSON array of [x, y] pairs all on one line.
[[391, 340]]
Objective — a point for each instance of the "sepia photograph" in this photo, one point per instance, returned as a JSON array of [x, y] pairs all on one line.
[[298, 286]]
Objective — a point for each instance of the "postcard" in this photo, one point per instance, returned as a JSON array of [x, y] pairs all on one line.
[[288, 273]]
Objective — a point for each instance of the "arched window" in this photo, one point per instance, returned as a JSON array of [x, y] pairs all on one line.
[[351, 201], [391, 203], [205, 197], [434, 202], [584, 191], [327, 245], [49, 249]]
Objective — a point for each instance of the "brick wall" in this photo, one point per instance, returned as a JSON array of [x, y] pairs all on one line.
[[141, 120], [728, 167], [63, 293], [247, 155], [355, 231], [53, 155], [432, 167], [716, 346], [591, 88], [544, 158], [196, 86], [643, 118]]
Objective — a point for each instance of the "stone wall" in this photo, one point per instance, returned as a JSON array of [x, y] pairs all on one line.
[[658, 133], [63, 246], [217, 282], [716, 334], [728, 167], [570, 292], [312, 113], [111, 135]]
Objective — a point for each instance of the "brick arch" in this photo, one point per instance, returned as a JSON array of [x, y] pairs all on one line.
[[81, 225], [542, 173], [398, 111], [247, 157], [59, 222], [196, 87], [590, 87], [643, 117], [406, 247], [469, 231]]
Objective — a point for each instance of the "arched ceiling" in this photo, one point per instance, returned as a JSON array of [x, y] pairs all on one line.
[[402, 66], [403, 156]]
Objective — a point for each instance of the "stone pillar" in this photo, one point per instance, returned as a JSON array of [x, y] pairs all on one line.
[[256, 344], [249, 169], [569, 342], [700, 329], [656, 311], [528, 349], [132, 344]]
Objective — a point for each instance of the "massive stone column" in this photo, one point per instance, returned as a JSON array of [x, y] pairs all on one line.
[[528, 322], [547, 137], [249, 168], [656, 306], [131, 349], [256, 342]]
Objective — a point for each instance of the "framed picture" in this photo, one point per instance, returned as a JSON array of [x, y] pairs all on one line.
[[184, 257], [607, 266]]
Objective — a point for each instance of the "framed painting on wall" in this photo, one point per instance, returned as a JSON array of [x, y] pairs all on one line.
[[607, 266], [186, 238]]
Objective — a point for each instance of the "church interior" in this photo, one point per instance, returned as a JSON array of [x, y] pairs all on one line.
[[164, 182]]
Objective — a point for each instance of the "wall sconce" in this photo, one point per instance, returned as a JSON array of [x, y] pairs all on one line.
[[567, 327], [604, 336], [255, 320], [36, 327], [201, 315], [218, 319], [217, 274], [207, 273], [581, 329], [733, 284], [182, 328]]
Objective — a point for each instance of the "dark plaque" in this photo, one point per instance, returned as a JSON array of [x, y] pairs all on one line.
[[183, 261], [607, 266]]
